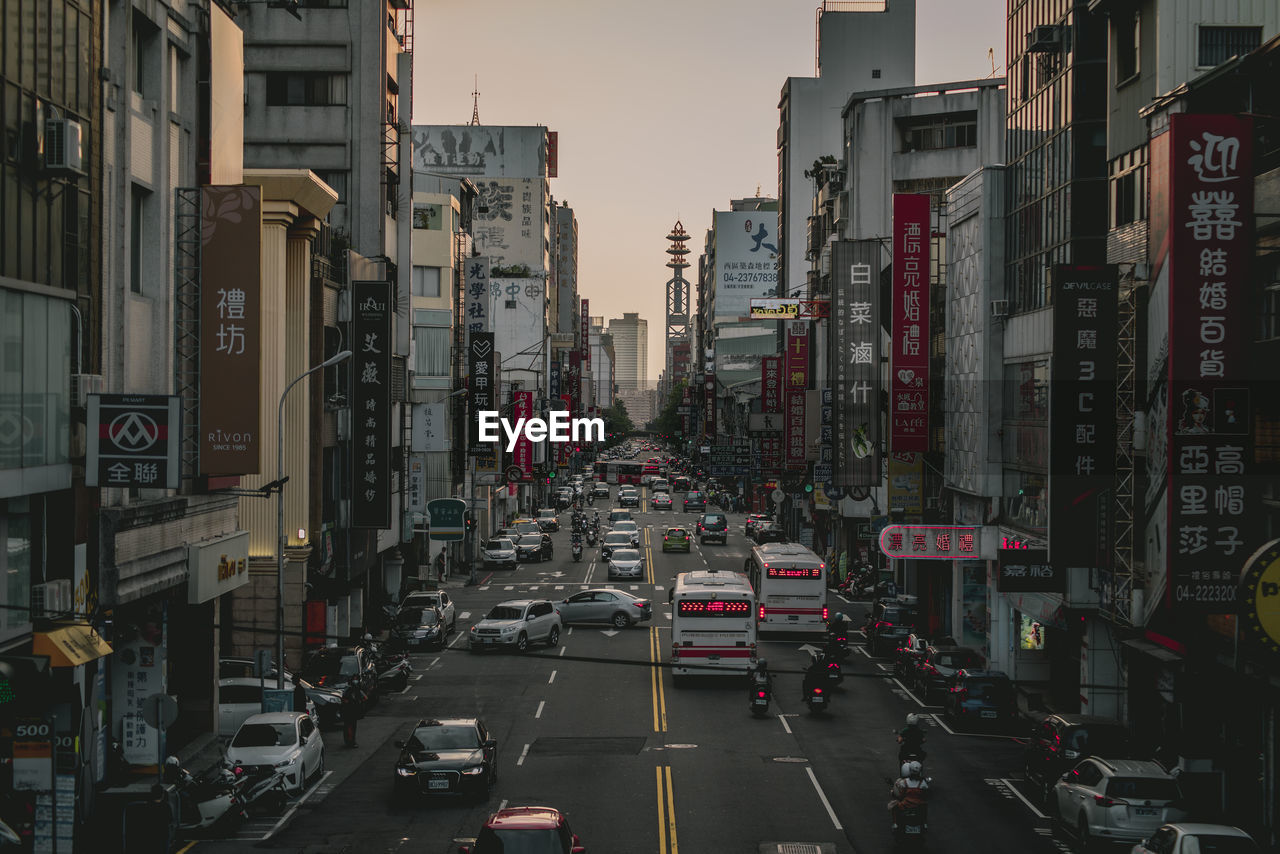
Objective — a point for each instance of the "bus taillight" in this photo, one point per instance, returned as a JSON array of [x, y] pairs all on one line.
[[675, 653], [824, 612], [761, 618]]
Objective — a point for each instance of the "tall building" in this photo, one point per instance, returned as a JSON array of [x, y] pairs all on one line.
[[602, 357], [631, 348]]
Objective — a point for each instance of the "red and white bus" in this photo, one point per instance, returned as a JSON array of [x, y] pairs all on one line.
[[713, 626], [618, 472], [790, 582]]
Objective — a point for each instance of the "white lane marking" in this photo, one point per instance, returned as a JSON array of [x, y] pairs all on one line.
[[658, 587], [509, 587], [553, 677], [884, 667], [534, 587], [465, 615], [840, 596], [483, 587], [635, 587], [454, 642], [862, 649], [502, 806], [562, 650], [288, 813], [908, 693], [404, 690], [822, 795], [1023, 798], [785, 725], [432, 664], [523, 754], [559, 586], [940, 722], [538, 713], [570, 632]]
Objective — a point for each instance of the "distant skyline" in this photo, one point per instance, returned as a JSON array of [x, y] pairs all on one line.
[[665, 110]]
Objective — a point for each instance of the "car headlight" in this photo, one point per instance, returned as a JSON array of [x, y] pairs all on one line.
[[406, 772], [287, 762], [508, 630], [471, 772]]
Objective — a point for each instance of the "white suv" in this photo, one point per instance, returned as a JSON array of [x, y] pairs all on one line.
[[1115, 800], [516, 624]]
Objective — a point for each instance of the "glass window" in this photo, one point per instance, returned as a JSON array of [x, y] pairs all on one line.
[[431, 350], [305, 89], [1218, 44], [425, 280], [428, 216], [1127, 38], [137, 227]]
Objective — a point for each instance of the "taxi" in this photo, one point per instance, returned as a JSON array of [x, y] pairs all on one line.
[[676, 540]]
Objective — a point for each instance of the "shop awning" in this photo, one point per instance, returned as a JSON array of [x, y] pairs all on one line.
[[70, 645]]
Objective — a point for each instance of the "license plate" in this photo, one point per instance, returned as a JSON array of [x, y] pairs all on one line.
[[817, 700], [488, 640], [987, 714], [1146, 811], [437, 784], [912, 828]]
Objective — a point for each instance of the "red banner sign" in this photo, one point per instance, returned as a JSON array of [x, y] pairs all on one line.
[[523, 456], [771, 384], [1210, 241], [909, 364], [797, 354]]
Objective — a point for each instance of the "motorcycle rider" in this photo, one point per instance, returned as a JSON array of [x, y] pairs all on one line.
[[815, 676], [910, 790], [911, 739], [761, 679]]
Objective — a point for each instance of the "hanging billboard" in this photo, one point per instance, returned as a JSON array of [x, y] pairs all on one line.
[[909, 362], [854, 361], [746, 266]]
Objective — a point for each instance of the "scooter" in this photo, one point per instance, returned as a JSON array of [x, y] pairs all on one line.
[[835, 675], [909, 825], [817, 700], [262, 789], [591, 537], [205, 801], [393, 671], [577, 552]]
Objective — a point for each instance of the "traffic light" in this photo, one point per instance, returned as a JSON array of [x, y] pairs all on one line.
[[551, 475], [470, 522], [808, 487]]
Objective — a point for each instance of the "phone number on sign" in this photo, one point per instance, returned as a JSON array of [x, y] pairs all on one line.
[[1204, 593]]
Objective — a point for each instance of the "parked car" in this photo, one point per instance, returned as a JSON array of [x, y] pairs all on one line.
[[626, 563], [516, 624], [418, 627], [889, 623], [434, 599], [529, 548], [236, 667], [614, 540], [328, 670], [626, 526], [529, 830], [753, 520], [981, 697], [287, 742], [694, 501], [676, 540], [714, 527], [240, 698], [660, 501], [1189, 838], [548, 520], [454, 756], [1058, 742], [1115, 800], [500, 553], [605, 605], [940, 663]]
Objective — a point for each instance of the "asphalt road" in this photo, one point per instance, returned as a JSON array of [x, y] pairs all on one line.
[[595, 729]]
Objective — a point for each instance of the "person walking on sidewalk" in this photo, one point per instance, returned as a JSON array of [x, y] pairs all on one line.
[[352, 710], [440, 565]]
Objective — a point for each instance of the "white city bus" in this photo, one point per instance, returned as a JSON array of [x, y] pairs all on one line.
[[713, 627], [790, 582]]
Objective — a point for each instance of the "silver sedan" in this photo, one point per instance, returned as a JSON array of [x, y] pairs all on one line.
[[626, 563], [606, 606]]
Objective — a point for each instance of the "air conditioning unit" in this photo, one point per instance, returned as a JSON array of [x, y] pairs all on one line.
[[83, 385], [999, 308], [1044, 39], [63, 146], [51, 599]]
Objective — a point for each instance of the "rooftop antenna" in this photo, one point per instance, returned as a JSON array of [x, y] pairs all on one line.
[[991, 55], [475, 102]]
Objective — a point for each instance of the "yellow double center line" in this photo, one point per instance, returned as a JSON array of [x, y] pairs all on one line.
[[666, 811], [657, 695], [648, 558]]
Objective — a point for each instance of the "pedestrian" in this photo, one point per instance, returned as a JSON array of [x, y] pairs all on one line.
[[352, 710], [440, 565]]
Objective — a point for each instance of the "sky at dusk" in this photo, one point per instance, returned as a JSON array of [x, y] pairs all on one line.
[[666, 109]]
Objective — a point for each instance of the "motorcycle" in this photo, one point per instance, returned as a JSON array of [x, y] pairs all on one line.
[[591, 537], [816, 699], [577, 552], [835, 675], [393, 671], [205, 801], [263, 788], [837, 645], [761, 693], [909, 824]]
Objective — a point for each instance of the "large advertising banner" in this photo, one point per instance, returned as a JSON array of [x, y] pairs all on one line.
[[371, 315], [230, 329], [1082, 413], [1210, 412], [523, 455], [746, 261], [855, 362], [909, 362], [797, 355]]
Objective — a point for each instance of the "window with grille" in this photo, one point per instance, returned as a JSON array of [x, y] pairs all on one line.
[[1218, 44]]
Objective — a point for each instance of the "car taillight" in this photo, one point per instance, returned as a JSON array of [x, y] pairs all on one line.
[[1104, 801], [639, 604]]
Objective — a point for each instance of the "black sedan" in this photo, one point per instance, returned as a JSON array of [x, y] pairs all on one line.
[[529, 548], [418, 628], [454, 756]]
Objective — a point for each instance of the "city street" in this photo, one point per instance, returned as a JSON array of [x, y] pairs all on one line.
[[641, 766]]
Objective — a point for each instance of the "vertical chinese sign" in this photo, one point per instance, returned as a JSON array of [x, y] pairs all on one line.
[[585, 328], [771, 402], [1210, 412], [476, 308], [523, 458], [371, 404], [909, 364], [855, 362], [230, 330], [1082, 412], [794, 424], [482, 371], [797, 355], [709, 405]]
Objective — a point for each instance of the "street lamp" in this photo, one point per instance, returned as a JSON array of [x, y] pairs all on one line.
[[280, 542]]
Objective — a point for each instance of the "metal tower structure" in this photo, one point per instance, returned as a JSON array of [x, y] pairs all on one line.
[[677, 296]]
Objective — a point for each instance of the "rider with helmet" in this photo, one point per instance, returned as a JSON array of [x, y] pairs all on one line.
[[909, 790], [911, 740]]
